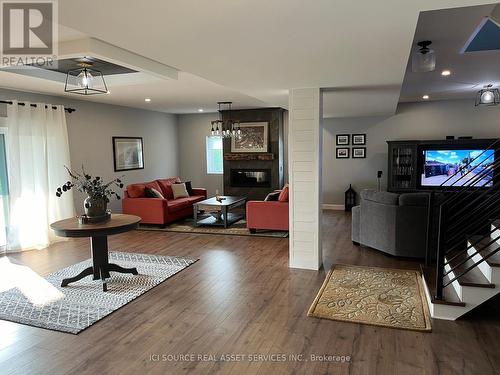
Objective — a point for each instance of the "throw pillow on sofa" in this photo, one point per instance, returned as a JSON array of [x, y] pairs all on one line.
[[153, 193], [166, 186], [179, 191], [155, 185], [149, 193], [283, 197], [189, 187]]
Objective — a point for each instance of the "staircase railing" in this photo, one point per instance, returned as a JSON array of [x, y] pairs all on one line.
[[468, 202]]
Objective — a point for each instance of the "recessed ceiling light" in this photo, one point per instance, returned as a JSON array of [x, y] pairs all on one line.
[[425, 97], [445, 73], [200, 109], [147, 100]]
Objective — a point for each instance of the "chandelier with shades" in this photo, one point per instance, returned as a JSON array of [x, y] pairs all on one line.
[[228, 128]]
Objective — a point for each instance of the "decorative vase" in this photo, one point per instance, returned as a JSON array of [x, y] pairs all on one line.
[[95, 207]]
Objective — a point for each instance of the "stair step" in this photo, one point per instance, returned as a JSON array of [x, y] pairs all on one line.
[[494, 260], [496, 223], [450, 296], [473, 278]]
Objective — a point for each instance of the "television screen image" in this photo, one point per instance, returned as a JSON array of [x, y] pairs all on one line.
[[458, 168]]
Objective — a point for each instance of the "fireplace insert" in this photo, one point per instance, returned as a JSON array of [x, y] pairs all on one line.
[[251, 177]]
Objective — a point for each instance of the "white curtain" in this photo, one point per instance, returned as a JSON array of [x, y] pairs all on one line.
[[38, 150]]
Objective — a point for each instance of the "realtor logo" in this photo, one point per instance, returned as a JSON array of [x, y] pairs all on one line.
[[29, 33]]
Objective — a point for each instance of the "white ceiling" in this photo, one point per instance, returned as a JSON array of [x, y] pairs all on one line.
[[449, 30], [185, 95], [261, 47], [253, 52], [360, 101]]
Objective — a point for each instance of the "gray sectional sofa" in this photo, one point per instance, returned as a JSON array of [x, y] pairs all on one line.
[[393, 223]]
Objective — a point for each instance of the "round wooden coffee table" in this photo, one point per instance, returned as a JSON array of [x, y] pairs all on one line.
[[98, 234]]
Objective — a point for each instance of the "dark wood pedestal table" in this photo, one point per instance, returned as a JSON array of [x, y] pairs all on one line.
[[98, 234]]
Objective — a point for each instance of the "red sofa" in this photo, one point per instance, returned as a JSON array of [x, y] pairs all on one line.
[[270, 215], [157, 210]]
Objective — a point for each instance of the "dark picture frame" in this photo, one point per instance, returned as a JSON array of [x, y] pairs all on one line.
[[359, 139], [254, 138], [342, 152], [128, 153], [342, 139], [359, 152]]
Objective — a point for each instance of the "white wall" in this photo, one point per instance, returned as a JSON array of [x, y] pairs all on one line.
[[285, 144], [91, 127], [304, 155], [417, 121], [193, 130]]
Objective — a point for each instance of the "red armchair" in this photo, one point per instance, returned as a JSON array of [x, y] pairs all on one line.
[[157, 210], [271, 215]]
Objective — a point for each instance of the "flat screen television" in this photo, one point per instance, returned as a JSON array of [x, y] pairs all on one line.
[[457, 167]]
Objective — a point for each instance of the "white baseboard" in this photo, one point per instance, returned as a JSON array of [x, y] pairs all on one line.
[[338, 207]]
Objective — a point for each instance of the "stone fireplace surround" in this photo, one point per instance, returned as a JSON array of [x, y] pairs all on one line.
[[272, 160]]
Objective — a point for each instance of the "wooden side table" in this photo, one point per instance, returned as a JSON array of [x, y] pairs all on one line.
[[98, 234]]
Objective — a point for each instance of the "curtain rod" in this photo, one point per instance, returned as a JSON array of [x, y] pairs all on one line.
[[69, 110]]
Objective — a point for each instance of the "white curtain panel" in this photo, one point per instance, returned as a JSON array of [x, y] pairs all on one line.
[[38, 150]]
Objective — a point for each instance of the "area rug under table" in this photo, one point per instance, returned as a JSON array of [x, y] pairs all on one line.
[[83, 303], [237, 229], [377, 296]]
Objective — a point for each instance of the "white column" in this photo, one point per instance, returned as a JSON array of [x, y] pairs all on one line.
[[304, 168]]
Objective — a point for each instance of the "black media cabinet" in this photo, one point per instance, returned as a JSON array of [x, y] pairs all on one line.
[[405, 160]]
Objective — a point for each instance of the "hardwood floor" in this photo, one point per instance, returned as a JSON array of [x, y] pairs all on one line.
[[241, 298]]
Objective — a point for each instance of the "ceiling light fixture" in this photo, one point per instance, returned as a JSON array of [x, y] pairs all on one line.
[[200, 109], [85, 80], [445, 73], [488, 96], [425, 97], [424, 59], [147, 100], [225, 128]]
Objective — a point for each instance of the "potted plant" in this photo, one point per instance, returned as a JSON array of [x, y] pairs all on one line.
[[98, 192]]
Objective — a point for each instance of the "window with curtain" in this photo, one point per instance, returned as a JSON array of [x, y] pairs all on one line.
[[4, 191], [38, 150], [215, 160]]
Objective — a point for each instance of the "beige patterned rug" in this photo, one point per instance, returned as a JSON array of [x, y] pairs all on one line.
[[377, 296], [237, 229]]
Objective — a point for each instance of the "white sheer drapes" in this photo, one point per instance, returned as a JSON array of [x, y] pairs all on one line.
[[38, 150]]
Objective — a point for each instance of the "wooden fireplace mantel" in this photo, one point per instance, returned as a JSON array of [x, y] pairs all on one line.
[[249, 156]]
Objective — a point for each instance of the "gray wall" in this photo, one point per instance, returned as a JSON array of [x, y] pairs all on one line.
[[420, 121], [91, 127], [193, 130]]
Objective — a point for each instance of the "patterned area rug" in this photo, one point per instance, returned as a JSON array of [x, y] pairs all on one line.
[[377, 296], [83, 303], [237, 229]]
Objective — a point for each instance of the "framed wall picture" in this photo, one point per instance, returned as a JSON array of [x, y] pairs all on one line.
[[358, 139], [342, 153], [342, 139], [359, 152], [254, 138], [128, 153]]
